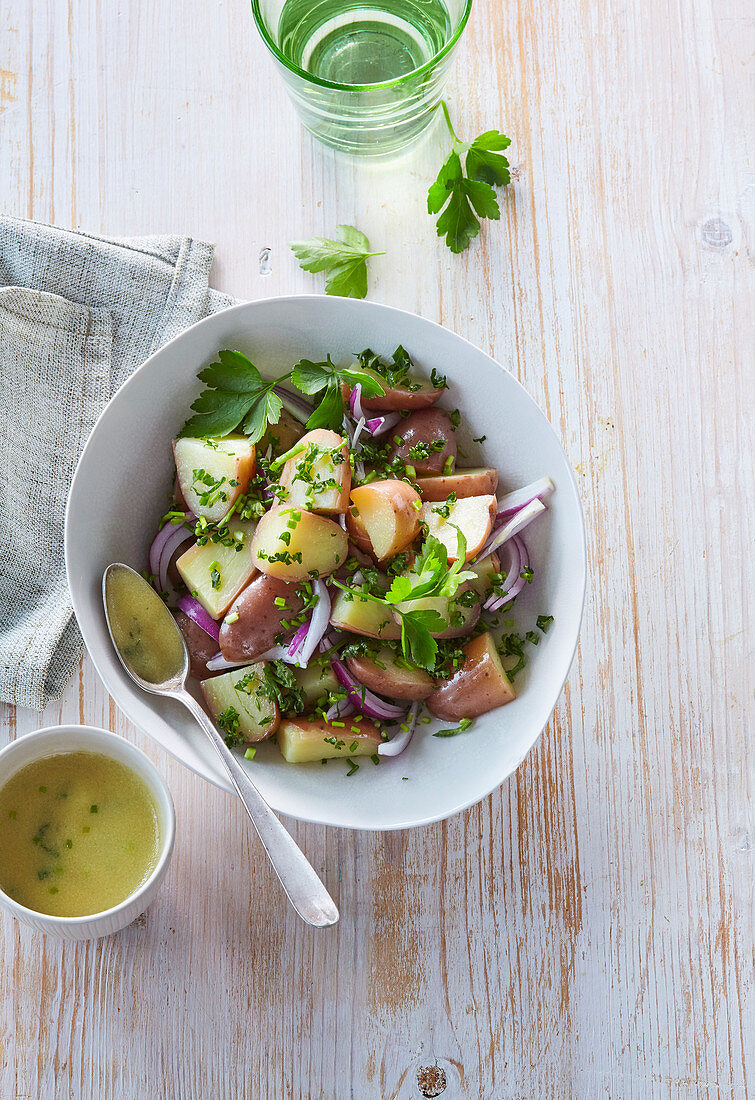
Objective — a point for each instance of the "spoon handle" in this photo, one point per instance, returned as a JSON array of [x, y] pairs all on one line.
[[298, 878]]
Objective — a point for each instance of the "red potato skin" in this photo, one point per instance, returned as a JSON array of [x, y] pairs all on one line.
[[178, 498], [438, 488], [478, 686], [200, 645], [396, 399], [465, 628], [357, 533], [259, 620], [401, 496], [425, 426], [384, 682]]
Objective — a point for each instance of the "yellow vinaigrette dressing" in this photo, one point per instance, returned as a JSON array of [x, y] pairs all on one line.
[[144, 631], [79, 833]]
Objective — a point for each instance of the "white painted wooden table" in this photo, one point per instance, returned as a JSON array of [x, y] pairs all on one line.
[[587, 930]]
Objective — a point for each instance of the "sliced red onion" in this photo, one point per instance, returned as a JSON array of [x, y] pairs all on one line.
[[295, 404], [326, 642], [164, 545], [340, 709], [397, 744], [342, 521], [218, 663], [512, 502], [358, 430], [193, 608], [518, 561], [364, 700], [277, 653], [298, 639], [516, 523], [378, 425], [355, 402], [359, 471], [318, 624]]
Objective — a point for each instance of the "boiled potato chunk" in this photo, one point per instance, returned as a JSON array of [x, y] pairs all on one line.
[[415, 393], [215, 574], [357, 531], [296, 545], [257, 716], [480, 684], [255, 619], [212, 473], [303, 740], [474, 482], [316, 680], [473, 516], [389, 513], [354, 612], [459, 616], [281, 437], [318, 478], [484, 571], [428, 443], [389, 674]]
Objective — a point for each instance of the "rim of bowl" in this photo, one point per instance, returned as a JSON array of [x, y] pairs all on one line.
[[352, 303], [318, 82], [99, 735]]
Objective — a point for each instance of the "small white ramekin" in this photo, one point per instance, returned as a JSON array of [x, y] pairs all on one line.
[[57, 739]]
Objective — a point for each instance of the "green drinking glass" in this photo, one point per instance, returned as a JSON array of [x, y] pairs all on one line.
[[365, 75]]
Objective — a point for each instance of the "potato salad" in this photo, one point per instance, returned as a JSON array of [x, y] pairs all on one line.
[[340, 571]]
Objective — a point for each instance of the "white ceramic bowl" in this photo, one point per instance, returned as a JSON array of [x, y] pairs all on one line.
[[119, 493], [56, 739]]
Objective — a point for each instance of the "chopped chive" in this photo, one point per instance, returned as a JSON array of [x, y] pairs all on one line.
[[93, 808], [375, 758], [354, 767], [43, 790], [250, 754]]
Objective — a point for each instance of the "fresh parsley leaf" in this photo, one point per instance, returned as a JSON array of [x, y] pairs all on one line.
[[461, 199], [417, 642], [266, 410], [344, 259], [329, 413], [235, 392], [313, 378]]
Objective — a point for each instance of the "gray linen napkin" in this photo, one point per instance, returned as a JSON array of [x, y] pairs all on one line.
[[78, 314]]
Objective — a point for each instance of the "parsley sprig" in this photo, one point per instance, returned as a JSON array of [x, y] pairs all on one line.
[[326, 379], [430, 577], [236, 395], [345, 260], [468, 197]]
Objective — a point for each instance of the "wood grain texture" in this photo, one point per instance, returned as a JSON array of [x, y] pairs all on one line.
[[587, 930]]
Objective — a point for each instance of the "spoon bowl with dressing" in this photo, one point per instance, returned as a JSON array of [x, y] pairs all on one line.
[[152, 650]]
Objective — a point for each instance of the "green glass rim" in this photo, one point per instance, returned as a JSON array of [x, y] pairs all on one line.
[[318, 82]]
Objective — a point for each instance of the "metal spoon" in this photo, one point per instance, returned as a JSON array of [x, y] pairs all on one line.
[[153, 652]]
